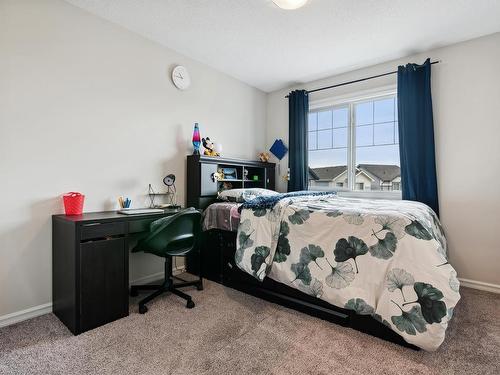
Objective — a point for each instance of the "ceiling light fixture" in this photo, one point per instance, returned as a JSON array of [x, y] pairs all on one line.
[[290, 4]]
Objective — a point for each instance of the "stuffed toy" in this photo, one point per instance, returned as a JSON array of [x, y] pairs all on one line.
[[209, 146], [264, 157], [217, 176]]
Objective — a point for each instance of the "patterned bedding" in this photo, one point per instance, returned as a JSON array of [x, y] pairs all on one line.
[[381, 258]]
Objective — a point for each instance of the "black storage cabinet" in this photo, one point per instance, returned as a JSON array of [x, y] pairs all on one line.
[[89, 272]]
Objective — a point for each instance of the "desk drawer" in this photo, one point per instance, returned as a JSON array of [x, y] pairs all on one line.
[[100, 230], [140, 226]]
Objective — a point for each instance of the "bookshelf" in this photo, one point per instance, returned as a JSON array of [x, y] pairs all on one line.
[[202, 187]]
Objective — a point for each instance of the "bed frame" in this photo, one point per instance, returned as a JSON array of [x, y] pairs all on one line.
[[217, 261]]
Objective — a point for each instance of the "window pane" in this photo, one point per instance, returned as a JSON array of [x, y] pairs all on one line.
[[340, 137], [325, 120], [341, 118], [312, 141], [378, 167], [325, 139], [313, 121], [376, 146], [360, 186], [384, 133], [328, 158], [384, 110], [364, 135], [330, 166], [364, 113]]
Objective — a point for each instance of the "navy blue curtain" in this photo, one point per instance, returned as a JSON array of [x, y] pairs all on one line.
[[416, 134], [298, 110]]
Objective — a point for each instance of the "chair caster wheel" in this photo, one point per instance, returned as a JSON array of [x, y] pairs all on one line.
[[190, 304], [199, 287], [134, 293], [143, 309]]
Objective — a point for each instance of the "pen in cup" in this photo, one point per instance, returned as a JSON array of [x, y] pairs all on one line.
[[124, 203]]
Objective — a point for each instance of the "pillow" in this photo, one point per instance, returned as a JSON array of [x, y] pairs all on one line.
[[244, 195]]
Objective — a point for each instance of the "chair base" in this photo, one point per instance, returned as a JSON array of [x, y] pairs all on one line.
[[168, 286], [165, 288]]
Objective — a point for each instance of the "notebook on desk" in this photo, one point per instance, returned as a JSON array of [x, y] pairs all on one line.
[[141, 211]]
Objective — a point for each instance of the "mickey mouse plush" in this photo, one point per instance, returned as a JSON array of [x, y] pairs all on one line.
[[209, 147]]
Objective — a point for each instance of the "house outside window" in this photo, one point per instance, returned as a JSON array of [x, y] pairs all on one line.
[[354, 143]]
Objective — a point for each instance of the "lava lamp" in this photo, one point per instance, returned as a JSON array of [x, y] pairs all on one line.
[[196, 139]]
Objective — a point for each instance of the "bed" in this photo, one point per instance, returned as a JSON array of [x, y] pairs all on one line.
[[377, 266]]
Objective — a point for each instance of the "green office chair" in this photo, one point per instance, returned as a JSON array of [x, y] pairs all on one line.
[[176, 235]]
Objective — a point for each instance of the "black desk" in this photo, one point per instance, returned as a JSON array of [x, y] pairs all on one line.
[[90, 265]]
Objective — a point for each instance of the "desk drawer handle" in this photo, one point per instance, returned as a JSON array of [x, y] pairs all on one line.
[[91, 224]]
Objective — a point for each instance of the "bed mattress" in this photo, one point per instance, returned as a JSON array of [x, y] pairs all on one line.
[[384, 259]]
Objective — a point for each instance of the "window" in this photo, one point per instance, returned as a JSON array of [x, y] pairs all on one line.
[[322, 183], [358, 141]]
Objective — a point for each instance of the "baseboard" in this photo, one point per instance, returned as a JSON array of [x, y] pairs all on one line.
[[146, 279], [156, 276], [19, 316], [33, 312], [494, 288]]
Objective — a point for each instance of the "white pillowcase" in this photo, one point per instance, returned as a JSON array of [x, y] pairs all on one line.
[[244, 195]]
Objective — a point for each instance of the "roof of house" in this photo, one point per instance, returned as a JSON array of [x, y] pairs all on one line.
[[327, 173], [313, 175], [380, 171]]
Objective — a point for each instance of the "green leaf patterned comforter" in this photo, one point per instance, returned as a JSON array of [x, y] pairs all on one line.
[[381, 258]]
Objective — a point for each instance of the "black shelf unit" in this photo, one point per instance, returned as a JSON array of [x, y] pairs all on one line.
[[202, 188]]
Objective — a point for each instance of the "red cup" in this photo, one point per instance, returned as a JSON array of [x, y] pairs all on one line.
[[73, 203]]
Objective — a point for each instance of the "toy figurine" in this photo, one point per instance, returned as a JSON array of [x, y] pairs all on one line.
[[209, 147], [217, 176], [264, 157]]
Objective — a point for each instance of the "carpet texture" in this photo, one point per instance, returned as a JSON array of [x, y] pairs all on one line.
[[229, 332]]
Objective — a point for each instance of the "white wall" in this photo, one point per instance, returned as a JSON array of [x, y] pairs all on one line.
[[466, 95], [86, 105]]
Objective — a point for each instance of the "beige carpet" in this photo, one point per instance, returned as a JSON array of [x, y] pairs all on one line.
[[231, 333]]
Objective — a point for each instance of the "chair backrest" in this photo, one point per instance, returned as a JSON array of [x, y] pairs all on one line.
[[171, 235]]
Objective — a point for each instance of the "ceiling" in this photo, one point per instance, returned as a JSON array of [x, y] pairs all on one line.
[[270, 48]]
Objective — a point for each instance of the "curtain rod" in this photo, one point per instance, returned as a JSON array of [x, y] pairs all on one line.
[[358, 80]]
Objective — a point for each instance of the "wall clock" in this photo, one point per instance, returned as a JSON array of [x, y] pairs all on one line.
[[181, 78]]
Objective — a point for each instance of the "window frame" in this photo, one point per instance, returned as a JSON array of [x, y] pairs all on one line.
[[350, 100]]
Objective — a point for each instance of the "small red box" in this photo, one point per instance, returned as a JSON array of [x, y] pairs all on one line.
[[73, 203]]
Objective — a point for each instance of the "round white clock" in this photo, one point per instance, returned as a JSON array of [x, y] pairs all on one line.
[[180, 77]]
